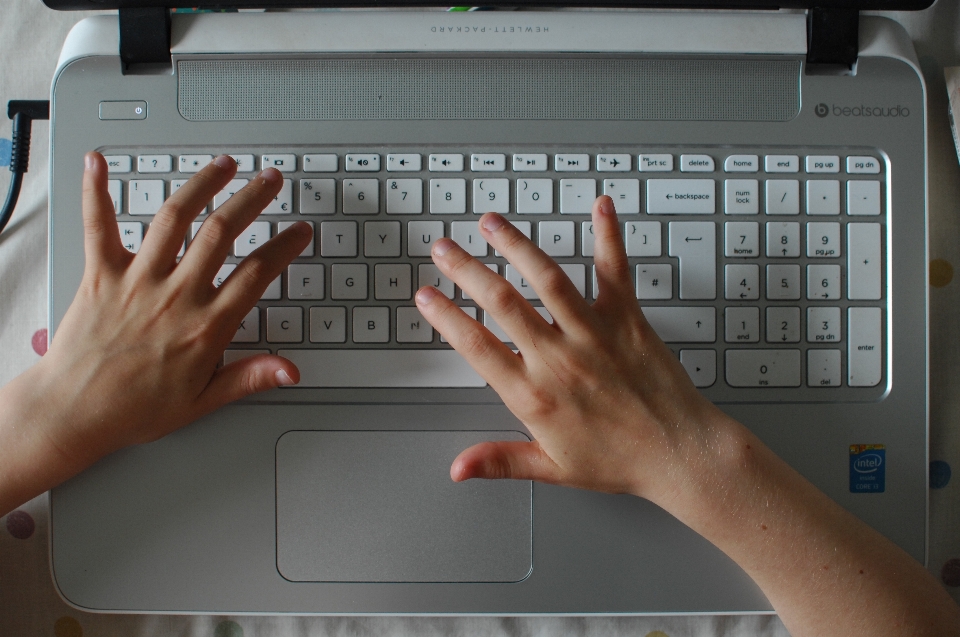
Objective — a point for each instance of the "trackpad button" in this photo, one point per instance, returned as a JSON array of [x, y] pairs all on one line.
[[379, 506]]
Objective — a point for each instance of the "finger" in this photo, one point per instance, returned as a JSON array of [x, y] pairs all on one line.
[[552, 285], [247, 282], [609, 255], [494, 294], [493, 360], [245, 377], [505, 459], [101, 235], [214, 241], [169, 226]]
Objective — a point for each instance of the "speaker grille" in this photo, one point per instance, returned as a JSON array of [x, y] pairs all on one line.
[[489, 89]]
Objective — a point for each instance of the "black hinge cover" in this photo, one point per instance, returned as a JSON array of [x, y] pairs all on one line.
[[144, 36], [833, 36]]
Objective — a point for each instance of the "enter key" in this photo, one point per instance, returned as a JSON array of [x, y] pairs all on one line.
[[694, 243]]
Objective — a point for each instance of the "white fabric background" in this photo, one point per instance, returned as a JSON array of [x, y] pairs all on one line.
[[30, 39]]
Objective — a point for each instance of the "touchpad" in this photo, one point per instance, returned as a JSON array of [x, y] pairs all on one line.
[[379, 506]]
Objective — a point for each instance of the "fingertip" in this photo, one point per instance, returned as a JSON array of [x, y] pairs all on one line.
[[605, 205], [491, 222], [426, 295], [271, 177]]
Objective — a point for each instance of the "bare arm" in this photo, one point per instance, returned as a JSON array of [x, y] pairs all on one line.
[[613, 410]]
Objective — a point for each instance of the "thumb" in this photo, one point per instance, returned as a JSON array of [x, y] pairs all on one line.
[[505, 459], [248, 376]]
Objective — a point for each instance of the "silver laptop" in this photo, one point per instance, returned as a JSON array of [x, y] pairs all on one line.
[[769, 167]]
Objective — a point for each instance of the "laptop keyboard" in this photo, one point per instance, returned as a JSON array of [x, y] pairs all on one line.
[[762, 268]]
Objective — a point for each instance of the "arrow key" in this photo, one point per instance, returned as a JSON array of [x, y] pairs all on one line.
[[701, 366]]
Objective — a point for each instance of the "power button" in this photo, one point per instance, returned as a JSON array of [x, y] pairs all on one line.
[[123, 110]]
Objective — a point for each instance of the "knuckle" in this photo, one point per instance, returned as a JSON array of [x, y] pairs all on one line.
[[554, 281], [216, 229], [501, 297]]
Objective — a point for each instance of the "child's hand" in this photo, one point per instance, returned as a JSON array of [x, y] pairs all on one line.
[[610, 405], [136, 355]]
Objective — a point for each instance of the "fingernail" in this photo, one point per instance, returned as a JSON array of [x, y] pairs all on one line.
[[426, 294], [283, 378], [225, 161], [606, 206], [441, 246], [88, 161], [492, 222]]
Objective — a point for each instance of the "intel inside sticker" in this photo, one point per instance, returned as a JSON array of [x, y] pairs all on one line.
[[867, 468]]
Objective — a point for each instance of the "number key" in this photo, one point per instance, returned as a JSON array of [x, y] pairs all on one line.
[[404, 196], [823, 239], [361, 196], [783, 239]]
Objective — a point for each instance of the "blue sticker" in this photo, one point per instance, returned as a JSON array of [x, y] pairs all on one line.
[[6, 148], [939, 474], [868, 466]]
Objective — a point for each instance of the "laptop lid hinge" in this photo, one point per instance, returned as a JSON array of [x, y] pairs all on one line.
[[144, 37], [833, 36]]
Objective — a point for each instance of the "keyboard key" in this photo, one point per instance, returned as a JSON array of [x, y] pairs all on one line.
[[328, 325], [154, 164], [741, 324], [467, 235], [249, 330], [625, 194], [251, 238], [405, 162], [491, 195], [741, 164], [742, 239], [361, 196], [145, 196], [421, 235], [115, 188], [392, 281], [783, 324], [823, 197], [694, 243], [362, 162], [571, 163], [823, 239], [654, 281], [193, 163], [488, 162], [285, 163], [308, 251], [318, 196], [688, 324], [412, 327], [863, 198], [381, 239], [823, 164], [371, 324], [781, 163], [681, 196], [823, 282], [338, 239], [320, 163], [742, 282], [823, 325], [530, 163], [615, 163], [446, 162], [783, 197], [763, 367], [404, 196], [701, 366], [131, 235], [696, 164], [823, 368], [305, 281], [863, 262], [656, 163], [523, 287], [282, 204], [245, 163], [783, 282], [864, 343], [284, 324], [534, 196], [586, 239], [448, 196], [233, 187], [348, 281], [863, 165], [741, 196], [642, 238], [577, 196], [378, 368], [123, 163], [429, 274], [783, 239]]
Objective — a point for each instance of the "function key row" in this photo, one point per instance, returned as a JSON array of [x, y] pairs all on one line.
[[497, 162]]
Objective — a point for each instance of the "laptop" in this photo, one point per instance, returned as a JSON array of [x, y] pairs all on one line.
[[769, 167]]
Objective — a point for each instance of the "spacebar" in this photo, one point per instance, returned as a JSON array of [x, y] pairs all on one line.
[[382, 368]]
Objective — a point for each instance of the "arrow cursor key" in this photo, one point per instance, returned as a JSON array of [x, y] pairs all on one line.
[[694, 243]]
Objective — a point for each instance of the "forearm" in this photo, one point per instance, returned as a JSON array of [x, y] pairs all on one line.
[[824, 571]]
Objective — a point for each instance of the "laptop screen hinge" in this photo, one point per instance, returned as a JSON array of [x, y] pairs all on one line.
[[833, 36], [144, 37]]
